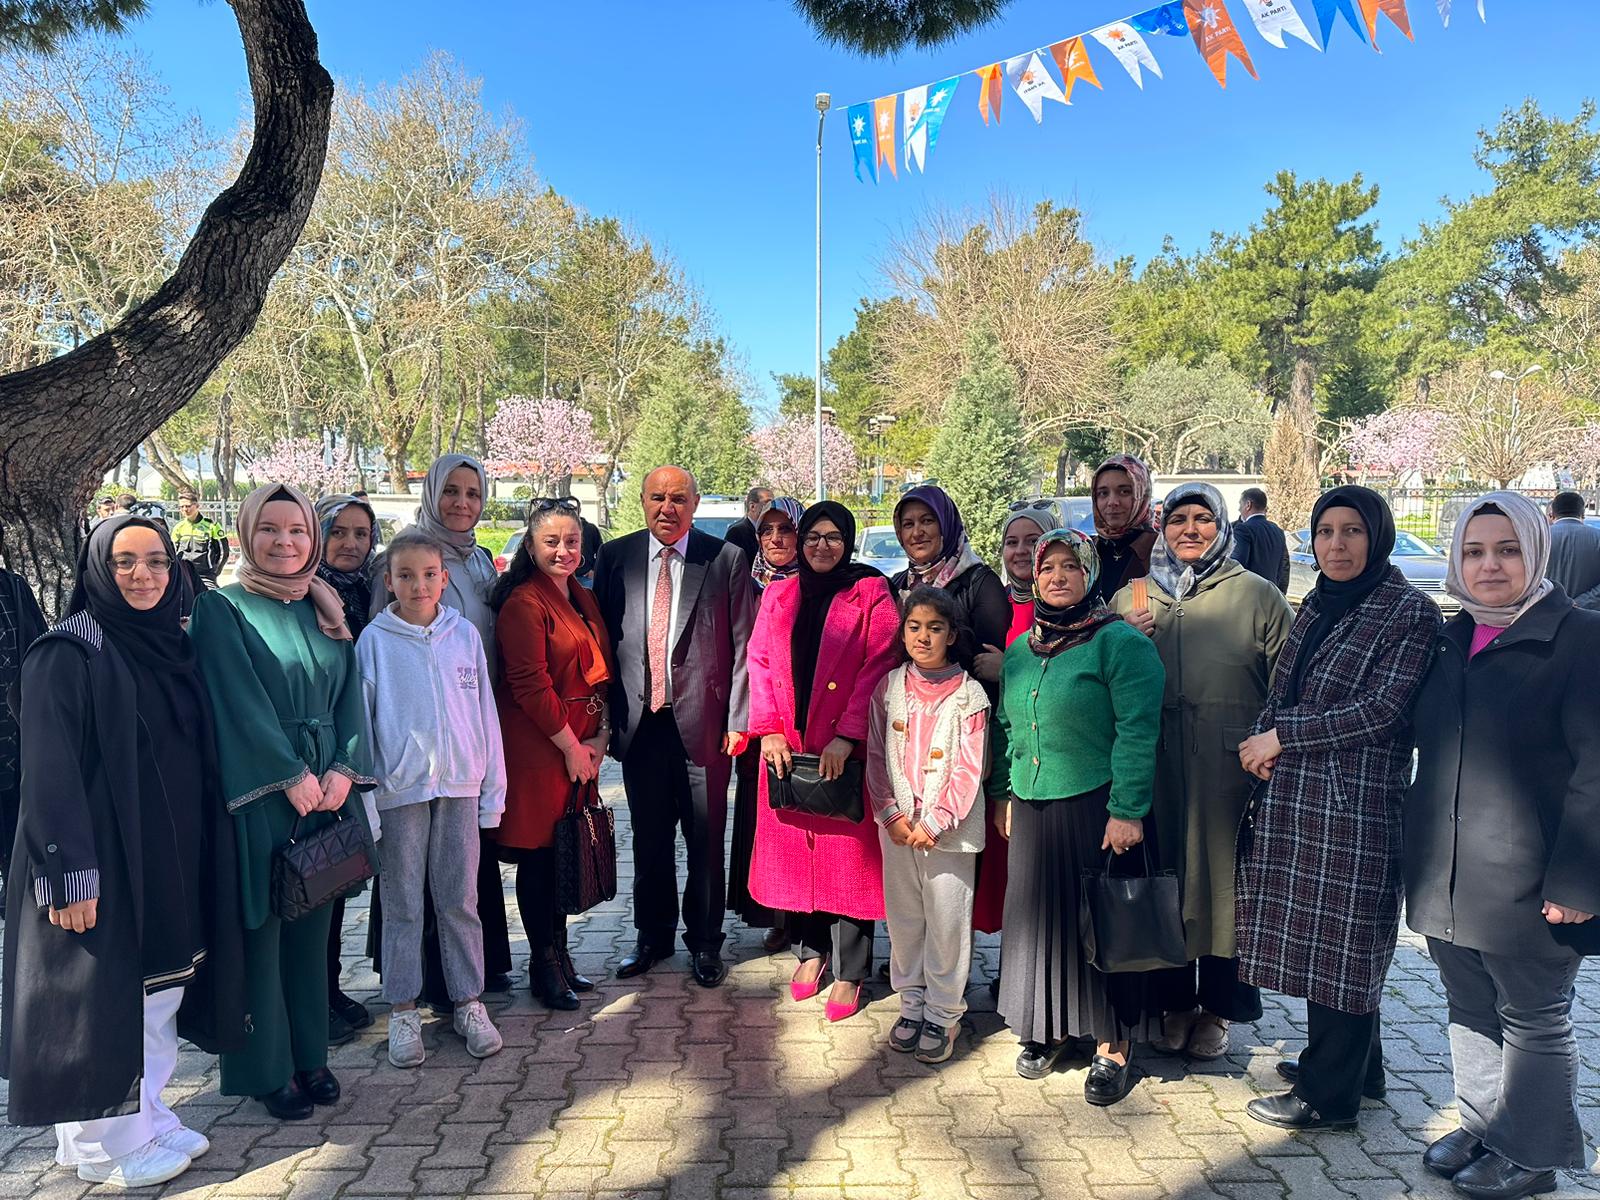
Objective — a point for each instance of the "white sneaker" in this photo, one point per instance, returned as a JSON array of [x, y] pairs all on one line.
[[147, 1166], [472, 1022], [405, 1039], [185, 1141]]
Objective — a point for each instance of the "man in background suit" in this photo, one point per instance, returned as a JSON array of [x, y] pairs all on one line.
[[743, 533], [1258, 544], [679, 606], [1574, 551]]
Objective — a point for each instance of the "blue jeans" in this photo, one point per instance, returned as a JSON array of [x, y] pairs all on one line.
[[1514, 1053]]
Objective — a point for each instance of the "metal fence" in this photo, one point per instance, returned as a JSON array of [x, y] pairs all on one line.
[[1431, 512]]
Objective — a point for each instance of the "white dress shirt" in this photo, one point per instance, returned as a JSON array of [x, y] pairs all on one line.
[[651, 575]]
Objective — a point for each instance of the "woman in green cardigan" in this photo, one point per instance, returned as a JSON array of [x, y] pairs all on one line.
[[291, 738], [1079, 715]]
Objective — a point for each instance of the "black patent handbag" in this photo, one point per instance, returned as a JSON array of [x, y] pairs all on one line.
[[804, 790], [310, 871], [1131, 922]]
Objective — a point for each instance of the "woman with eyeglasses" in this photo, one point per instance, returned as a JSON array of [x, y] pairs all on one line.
[[822, 642], [555, 664], [122, 917], [940, 555], [1218, 629], [777, 557], [280, 666]]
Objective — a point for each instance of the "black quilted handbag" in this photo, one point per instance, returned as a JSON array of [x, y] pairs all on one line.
[[315, 870], [804, 790], [586, 851]]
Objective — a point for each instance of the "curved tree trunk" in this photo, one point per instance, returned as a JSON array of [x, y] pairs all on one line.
[[67, 420]]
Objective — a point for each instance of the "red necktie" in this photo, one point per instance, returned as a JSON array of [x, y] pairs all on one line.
[[660, 626]]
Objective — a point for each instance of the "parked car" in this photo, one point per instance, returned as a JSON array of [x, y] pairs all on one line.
[[878, 547], [503, 559], [1423, 565], [1080, 512], [718, 514]]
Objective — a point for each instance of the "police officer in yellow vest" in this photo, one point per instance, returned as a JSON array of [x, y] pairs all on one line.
[[199, 540]]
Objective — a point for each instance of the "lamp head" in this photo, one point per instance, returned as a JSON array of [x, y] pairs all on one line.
[[824, 102]]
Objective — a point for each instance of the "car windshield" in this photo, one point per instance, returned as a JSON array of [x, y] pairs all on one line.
[[716, 526], [880, 543]]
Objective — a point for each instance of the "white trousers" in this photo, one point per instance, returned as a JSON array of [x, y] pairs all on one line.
[[927, 897], [111, 1137]]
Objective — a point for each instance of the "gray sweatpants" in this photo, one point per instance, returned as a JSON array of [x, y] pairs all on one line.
[[436, 842], [927, 897]]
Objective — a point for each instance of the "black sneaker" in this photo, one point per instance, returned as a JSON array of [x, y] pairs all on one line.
[[340, 1031], [905, 1035]]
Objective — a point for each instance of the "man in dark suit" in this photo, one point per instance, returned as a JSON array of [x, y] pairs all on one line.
[[1574, 551], [1258, 544], [679, 605], [743, 533]]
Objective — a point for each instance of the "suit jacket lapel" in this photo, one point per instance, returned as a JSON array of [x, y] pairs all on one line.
[[635, 570], [694, 577]]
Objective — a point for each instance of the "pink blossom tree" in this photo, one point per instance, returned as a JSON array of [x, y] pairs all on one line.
[[303, 463], [540, 440], [1399, 440], [785, 452]]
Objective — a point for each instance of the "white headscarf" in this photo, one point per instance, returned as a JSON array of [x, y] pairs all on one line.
[[1533, 533]]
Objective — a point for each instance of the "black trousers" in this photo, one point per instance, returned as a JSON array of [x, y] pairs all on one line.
[[336, 946], [1209, 983], [847, 941], [544, 923], [491, 915], [1344, 1053], [667, 792]]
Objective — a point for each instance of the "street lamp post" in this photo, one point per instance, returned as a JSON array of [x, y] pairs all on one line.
[[824, 102]]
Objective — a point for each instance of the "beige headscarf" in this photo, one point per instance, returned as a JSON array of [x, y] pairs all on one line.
[[1533, 532], [304, 582]]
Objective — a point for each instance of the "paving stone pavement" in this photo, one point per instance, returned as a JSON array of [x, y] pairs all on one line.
[[658, 1088]]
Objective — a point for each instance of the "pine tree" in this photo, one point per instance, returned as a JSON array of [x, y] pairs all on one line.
[[980, 456]]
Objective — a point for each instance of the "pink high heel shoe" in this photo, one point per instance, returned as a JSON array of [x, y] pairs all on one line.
[[801, 990], [838, 1012]]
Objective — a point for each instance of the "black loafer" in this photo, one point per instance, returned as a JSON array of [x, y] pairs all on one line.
[[641, 960], [353, 1012], [1289, 1068], [319, 1085], [1037, 1059], [1108, 1081], [1451, 1153], [498, 982], [288, 1103], [340, 1031], [1288, 1111], [1490, 1177], [442, 1006], [709, 969]]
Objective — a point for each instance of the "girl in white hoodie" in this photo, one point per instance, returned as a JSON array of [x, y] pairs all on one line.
[[441, 777]]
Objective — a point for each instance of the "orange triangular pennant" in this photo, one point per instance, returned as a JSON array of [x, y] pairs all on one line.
[[1216, 37], [883, 118], [1072, 59], [990, 90], [1395, 10]]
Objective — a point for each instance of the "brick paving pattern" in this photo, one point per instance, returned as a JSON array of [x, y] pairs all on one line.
[[658, 1088]]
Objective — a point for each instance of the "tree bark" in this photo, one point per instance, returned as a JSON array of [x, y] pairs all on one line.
[[69, 419], [227, 461], [167, 464]]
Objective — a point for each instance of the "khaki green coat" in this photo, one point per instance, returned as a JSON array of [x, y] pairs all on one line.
[[1219, 648]]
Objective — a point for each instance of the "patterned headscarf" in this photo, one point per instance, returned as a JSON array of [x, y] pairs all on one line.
[[1057, 629], [1139, 518], [763, 572], [304, 582], [354, 587], [956, 554], [1180, 579], [1045, 513], [1533, 533]]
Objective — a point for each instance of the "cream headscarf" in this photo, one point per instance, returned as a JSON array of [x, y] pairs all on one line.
[[304, 582], [1533, 532]]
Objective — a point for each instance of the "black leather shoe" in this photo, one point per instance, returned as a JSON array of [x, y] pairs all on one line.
[[709, 969], [340, 1031], [1490, 1177], [1288, 1111], [288, 1103], [442, 1006], [353, 1012], [498, 982], [1451, 1153], [319, 1085], [644, 957], [575, 981], [1037, 1059], [1108, 1080], [1377, 1089], [549, 984]]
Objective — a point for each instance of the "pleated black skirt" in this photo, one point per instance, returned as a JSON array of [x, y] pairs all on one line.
[[1047, 991]]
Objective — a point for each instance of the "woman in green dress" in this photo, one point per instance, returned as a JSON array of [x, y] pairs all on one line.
[[291, 737]]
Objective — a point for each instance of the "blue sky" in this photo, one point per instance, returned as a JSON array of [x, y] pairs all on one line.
[[694, 121]]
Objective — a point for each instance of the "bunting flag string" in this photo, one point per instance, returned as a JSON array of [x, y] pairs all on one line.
[[908, 123]]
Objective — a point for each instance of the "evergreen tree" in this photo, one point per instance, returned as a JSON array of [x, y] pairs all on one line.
[[980, 456]]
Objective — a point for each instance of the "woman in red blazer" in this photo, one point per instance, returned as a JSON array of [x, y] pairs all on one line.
[[822, 642], [555, 662]]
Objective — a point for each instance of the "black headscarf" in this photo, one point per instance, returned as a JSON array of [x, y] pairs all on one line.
[[817, 590], [1335, 599]]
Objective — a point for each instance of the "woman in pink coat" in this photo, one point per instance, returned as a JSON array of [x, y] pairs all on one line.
[[822, 642]]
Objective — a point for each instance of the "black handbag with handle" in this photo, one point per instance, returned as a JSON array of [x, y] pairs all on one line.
[[318, 869], [804, 790], [1131, 922], [586, 851]]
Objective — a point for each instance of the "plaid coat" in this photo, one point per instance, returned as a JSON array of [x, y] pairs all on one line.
[[1319, 878]]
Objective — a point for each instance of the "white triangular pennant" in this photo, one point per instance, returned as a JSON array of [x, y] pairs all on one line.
[[914, 131], [1124, 41], [1274, 18], [1032, 81]]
